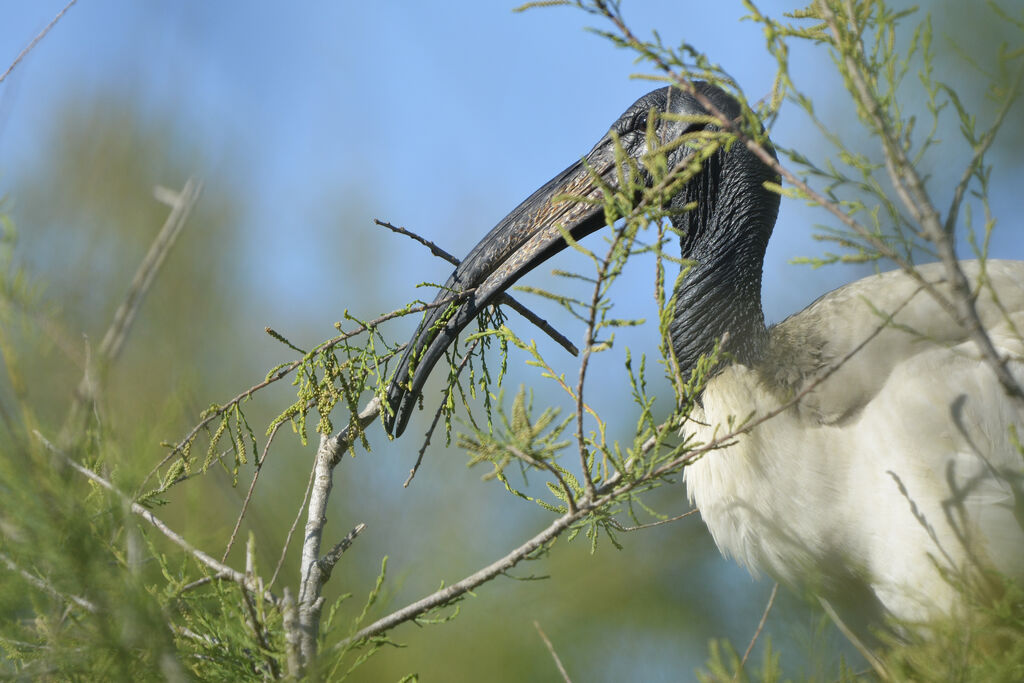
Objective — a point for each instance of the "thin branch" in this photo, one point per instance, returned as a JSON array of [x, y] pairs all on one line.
[[434, 249], [313, 577], [450, 593], [502, 298], [426, 444], [35, 41], [551, 649], [437, 416], [570, 500], [291, 531], [249, 493], [864, 650], [911, 189], [46, 586], [757, 632], [198, 583], [979, 153], [638, 527], [218, 567], [334, 554], [181, 204], [588, 344]]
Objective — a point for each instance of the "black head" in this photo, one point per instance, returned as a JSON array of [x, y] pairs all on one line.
[[531, 233]]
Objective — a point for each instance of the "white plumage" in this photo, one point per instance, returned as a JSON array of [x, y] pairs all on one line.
[[898, 466]]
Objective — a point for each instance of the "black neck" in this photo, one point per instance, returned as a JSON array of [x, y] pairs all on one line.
[[725, 236]]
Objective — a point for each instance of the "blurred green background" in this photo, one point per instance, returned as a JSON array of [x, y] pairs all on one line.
[[305, 122]]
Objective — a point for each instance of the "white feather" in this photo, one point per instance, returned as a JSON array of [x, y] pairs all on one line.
[[895, 468]]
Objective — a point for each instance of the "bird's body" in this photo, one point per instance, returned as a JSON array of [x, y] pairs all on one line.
[[895, 468]]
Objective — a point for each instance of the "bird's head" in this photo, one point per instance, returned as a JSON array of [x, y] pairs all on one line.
[[662, 130], [677, 112]]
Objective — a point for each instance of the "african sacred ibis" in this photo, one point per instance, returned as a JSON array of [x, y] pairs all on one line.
[[895, 469]]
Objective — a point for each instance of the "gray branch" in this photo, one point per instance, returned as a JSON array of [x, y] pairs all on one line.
[[314, 570], [46, 586], [252, 584], [181, 204]]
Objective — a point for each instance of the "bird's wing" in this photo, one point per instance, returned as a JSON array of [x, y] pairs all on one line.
[[861, 332]]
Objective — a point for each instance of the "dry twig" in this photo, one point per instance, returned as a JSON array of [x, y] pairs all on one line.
[[35, 41], [757, 632], [220, 569]]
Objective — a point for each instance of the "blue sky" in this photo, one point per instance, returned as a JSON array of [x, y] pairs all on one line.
[[437, 117]]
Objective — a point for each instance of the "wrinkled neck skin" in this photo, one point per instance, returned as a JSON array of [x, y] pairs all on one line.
[[725, 236]]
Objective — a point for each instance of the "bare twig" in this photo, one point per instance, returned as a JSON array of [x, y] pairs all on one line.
[[198, 583], [864, 650], [334, 554], [252, 488], [757, 632], [502, 298], [35, 41], [453, 592], [434, 249], [291, 530], [218, 567], [638, 527], [46, 586], [551, 649], [181, 204], [426, 444]]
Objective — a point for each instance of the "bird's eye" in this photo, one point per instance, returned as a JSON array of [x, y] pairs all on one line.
[[634, 122]]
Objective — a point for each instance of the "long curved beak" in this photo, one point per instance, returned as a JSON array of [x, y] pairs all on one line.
[[572, 202]]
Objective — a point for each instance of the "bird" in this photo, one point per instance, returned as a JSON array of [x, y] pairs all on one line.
[[891, 473]]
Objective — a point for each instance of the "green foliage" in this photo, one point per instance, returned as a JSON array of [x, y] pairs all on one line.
[[533, 443], [984, 642], [882, 199], [725, 664]]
